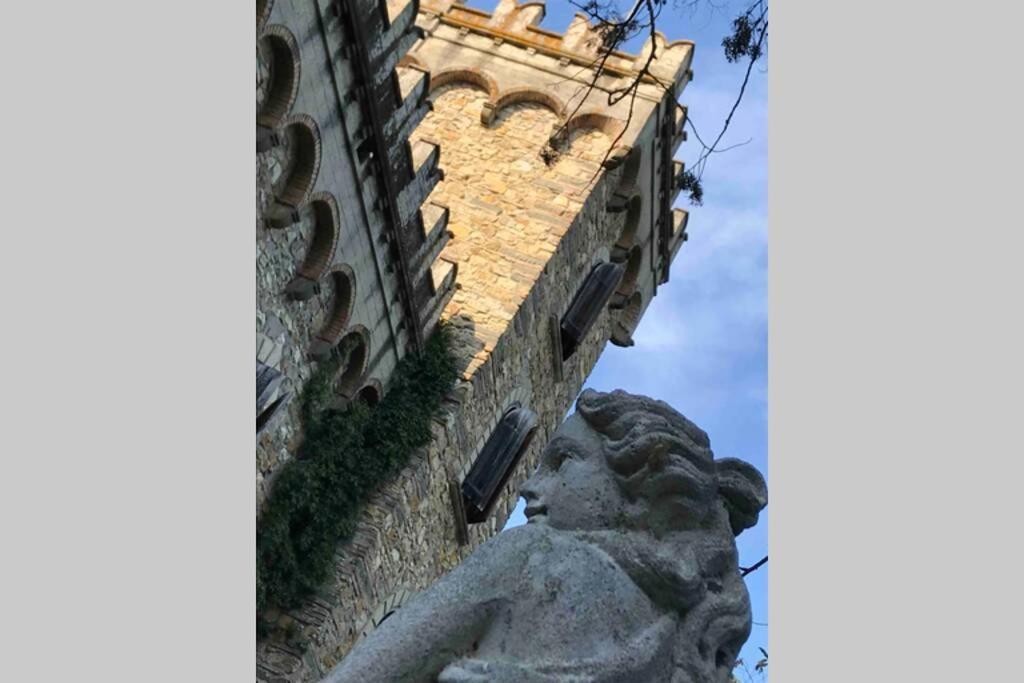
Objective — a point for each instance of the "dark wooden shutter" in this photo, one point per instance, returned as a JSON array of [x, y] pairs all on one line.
[[267, 381], [590, 300], [496, 462]]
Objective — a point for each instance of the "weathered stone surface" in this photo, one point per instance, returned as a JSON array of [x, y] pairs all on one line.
[[526, 234], [627, 570]]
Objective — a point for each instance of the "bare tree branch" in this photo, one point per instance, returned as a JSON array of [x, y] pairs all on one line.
[[749, 37], [747, 570]]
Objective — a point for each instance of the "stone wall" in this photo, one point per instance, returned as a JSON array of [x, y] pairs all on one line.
[[526, 233], [525, 241]]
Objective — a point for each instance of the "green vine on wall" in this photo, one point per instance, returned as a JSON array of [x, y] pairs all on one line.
[[344, 457]]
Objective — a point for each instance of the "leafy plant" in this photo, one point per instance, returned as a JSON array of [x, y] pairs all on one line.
[[344, 457]]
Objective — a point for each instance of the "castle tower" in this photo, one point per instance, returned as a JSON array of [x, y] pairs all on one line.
[[555, 218]]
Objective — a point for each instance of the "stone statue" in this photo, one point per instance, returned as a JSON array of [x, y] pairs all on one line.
[[626, 570]]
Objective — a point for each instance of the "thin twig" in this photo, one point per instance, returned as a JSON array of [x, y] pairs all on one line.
[[747, 570]]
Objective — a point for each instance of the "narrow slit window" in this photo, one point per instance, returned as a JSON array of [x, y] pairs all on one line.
[[497, 461], [590, 300]]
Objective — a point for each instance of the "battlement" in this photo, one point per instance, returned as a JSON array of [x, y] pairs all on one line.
[[475, 174], [581, 44]]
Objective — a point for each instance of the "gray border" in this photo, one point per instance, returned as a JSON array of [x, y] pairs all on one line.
[[895, 340]]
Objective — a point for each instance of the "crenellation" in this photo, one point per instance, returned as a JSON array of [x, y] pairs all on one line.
[[468, 183]]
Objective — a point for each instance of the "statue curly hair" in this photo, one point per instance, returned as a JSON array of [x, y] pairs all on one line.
[[694, 506], [625, 572]]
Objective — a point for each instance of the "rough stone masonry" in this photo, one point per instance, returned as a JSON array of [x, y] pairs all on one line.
[[525, 233], [626, 571]]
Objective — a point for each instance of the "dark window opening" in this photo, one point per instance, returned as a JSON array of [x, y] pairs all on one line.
[[497, 461], [590, 300]]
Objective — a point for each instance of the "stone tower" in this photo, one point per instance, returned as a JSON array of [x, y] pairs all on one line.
[[547, 237]]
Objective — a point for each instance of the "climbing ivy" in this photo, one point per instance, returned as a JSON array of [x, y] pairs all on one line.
[[343, 458]]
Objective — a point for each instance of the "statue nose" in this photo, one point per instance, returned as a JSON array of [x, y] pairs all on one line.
[[528, 491]]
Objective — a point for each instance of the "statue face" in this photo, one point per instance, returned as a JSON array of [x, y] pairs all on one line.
[[573, 488]]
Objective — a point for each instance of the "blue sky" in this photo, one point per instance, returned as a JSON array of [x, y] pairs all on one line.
[[702, 345]]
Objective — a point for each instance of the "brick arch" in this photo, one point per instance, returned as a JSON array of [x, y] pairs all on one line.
[[624, 321], [370, 393], [630, 228], [593, 120], [303, 138], [470, 75], [343, 297], [350, 375], [627, 287], [320, 251], [630, 171], [519, 95], [279, 46]]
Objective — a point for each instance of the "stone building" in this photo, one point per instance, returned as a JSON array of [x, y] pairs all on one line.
[[425, 161]]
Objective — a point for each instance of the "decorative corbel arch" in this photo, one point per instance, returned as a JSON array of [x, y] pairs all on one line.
[[630, 229], [609, 125], [465, 74], [522, 94], [303, 139], [624, 322], [370, 393], [320, 252], [279, 47], [627, 286], [630, 170], [350, 375], [343, 297]]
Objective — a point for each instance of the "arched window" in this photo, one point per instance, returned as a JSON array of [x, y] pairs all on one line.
[[497, 461], [590, 300]]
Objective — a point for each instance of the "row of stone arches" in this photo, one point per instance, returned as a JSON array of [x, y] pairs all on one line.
[[498, 98], [627, 302], [293, 145]]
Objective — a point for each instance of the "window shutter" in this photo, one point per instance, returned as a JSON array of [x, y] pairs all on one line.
[[267, 382], [496, 462], [590, 300]]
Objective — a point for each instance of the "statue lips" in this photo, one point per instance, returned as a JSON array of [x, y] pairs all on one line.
[[533, 512]]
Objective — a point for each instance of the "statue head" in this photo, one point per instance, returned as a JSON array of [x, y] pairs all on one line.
[[637, 478], [625, 461]]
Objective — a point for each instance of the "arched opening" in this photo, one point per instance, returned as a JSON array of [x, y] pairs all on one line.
[[468, 76], [370, 393], [277, 76], [522, 96], [321, 245], [353, 352], [628, 237], [319, 253], [625, 321], [343, 296], [629, 278], [298, 154], [630, 171]]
